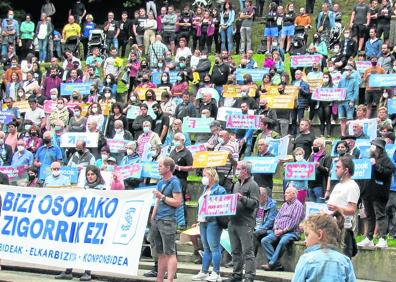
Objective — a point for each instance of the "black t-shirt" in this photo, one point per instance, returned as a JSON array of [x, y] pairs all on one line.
[[185, 19], [78, 9], [361, 11], [305, 141], [140, 25], [159, 123], [182, 158], [113, 27]]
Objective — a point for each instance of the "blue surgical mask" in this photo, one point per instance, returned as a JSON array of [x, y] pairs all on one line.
[[178, 78], [176, 143], [110, 168], [220, 140]]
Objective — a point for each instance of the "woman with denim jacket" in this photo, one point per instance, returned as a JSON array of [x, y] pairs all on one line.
[[321, 261], [210, 230]]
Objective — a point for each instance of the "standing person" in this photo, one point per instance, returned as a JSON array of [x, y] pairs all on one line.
[[344, 198], [112, 30], [78, 11], [322, 238], [360, 21], [227, 18], [373, 94], [163, 224], [383, 20], [302, 100], [241, 226], [44, 30], [264, 179], [125, 32], [305, 138], [246, 28], [150, 28], [210, 230], [169, 29], [376, 194], [48, 8], [27, 34], [288, 28], [9, 32]]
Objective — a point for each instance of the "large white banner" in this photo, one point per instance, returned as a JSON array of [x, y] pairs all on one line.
[[87, 229]]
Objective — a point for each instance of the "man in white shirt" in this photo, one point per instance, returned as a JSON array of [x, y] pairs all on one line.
[[35, 114]]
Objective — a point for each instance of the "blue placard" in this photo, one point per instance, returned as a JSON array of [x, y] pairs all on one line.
[[6, 117], [382, 80], [392, 106], [71, 172], [151, 170], [278, 147], [390, 150], [257, 74], [362, 169], [265, 165], [68, 88], [156, 77]]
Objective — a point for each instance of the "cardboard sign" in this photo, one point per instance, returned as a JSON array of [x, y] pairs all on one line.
[[117, 146], [288, 90], [130, 171], [150, 169], [234, 91], [14, 173], [390, 151], [300, 171], [23, 106], [241, 121], [6, 117], [392, 106], [382, 80], [312, 208], [68, 171], [369, 127], [196, 125], [218, 205], [278, 147], [210, 159], [156, 77], [362, 66], [336, 77], [69, 139], [66, 89], [280, 101], [264, 165], [223, 112], [314, 84], [257, 74], [71, 105], [196, 148], [302, 61], [329, 94], [133, 112], [49, 106], [362, 169]]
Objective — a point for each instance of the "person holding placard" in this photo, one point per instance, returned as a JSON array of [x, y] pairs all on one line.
[[241, 226], [264, 179], [210, 230]]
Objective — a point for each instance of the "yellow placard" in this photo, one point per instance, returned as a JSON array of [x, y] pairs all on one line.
[[280, 101], [314, 84], [291, 90], [273, 90], [234, 91], [84, 109], [23, 106], [141, 92], [210, 159]]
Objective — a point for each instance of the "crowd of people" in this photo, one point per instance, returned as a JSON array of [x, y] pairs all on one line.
[[169, 77]]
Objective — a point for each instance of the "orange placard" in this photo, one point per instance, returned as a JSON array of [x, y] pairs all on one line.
[[280, 101], [314, 84], [210, 159], [234, 91]]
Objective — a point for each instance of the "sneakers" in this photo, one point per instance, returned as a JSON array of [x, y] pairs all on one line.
[[382, 243], [64, 276], [85, 277], [151, 273], [366, 243], [214, 277], [200, 277]]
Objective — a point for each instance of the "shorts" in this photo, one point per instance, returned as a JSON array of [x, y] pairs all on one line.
[[168, 37], [359, 30], [163, 233], [372, 96], [271, 31], [345, 111], [139, 40], [288, 30]]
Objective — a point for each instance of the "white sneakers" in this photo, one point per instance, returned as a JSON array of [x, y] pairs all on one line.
[[366, 243], [200, 276], [213, 277], [369, 243], [382, 243]]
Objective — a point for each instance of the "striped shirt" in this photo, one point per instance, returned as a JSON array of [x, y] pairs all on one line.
[[289, 216], [231, 147]]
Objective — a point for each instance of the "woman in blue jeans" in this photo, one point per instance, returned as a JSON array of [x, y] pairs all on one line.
[[210, 231], [227, 18]]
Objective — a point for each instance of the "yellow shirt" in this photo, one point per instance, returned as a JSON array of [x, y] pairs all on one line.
[[71, 30]]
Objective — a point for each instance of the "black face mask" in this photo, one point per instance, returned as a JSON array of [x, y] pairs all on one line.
[[31, 177], [374, 64], [315, 149], [144, 80], [46, 141], [90, 91], [80, 152]]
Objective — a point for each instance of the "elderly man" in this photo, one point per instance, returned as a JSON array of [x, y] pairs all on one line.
[[176, 128], [120, 132], [147, 141], [322, 162], [358, 133], [22, 156], [209, 103], [163, 223], [264, 179], [82, 157], [226, 172], [285, 230], [215, 128], [47, 154], [265, 216], [92, 127], [56, 179], [241, 226], [137, 125]]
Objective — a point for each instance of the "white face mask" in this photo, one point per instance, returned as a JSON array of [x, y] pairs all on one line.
[[94, 110], [108, 80], [21, 148], [60, 106], [299, 158], [129, 152], [146, 129], [118, 130], [107, 95], [56, 173], [104, 157], [20, 94], [205, 181], [373, 148], [54, 97]]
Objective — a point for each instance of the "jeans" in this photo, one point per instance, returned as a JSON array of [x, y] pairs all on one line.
[[267, 243], [210, 236], [246, 39], [151, 5], [43, 43], [242, 4], [226, 37], [316, 195], [57, 48], [242, 245], [112, 42]]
